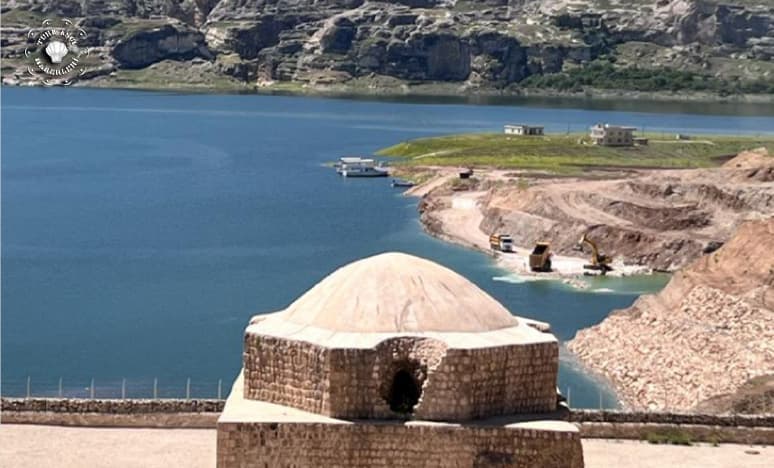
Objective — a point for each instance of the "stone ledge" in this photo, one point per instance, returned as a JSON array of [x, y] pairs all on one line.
[[141, 420], [111, 406], [726, 420], [696, 433]]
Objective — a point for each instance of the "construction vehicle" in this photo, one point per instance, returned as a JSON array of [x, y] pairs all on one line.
[[540, 258], [501, 242], [599, 262]]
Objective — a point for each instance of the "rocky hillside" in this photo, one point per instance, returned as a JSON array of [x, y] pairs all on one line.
[[705, 342], [496, 45]]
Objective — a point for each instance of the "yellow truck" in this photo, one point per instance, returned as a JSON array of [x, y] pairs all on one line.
[[540, 258], [501, 242]]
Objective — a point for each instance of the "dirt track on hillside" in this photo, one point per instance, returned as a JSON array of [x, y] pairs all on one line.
[[660, 219]]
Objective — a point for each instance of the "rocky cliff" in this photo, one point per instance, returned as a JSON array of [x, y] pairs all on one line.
[[705, 342], [469, 44]]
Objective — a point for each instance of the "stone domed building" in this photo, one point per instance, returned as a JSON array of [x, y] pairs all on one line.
[[396, 361]]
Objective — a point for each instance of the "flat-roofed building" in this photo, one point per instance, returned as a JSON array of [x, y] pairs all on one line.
[[612, 135], [523, 129]]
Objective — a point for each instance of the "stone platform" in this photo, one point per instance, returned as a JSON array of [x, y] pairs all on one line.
[[254, 433]]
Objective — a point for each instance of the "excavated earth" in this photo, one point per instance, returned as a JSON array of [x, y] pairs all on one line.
[[705, 342], [657, 219]]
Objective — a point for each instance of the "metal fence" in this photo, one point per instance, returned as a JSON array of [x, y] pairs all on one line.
[[187, 388], [122, 388]]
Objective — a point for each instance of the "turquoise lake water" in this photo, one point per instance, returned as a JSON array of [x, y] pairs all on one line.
[[140, 230]]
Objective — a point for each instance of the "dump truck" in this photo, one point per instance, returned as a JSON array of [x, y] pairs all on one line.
[[599, 261], [501, 242], [540, 258]]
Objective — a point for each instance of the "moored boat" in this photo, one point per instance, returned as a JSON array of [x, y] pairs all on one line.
[[360, 167], [402, 183]]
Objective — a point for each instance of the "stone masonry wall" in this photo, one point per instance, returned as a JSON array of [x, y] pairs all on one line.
[[479, 383], [364, 444], [112, 406], [456, 384], [291, 373]]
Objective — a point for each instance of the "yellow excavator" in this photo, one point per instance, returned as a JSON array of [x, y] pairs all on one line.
[[599, 262]]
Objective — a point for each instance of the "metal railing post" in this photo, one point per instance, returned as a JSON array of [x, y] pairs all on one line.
[[28, 386], [91, 389], [600, 399], [155, 388], [123, 389], [220, 383], [188, 388], [569, 404], [60, 387]]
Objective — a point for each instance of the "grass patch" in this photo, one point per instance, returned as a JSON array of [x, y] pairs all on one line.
[[603, 74], [669, 436], [24, 17], [167, 75], [127, 28], [568, 153]]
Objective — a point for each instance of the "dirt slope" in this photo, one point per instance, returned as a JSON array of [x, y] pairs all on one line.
[[661, 219], [702, 338]]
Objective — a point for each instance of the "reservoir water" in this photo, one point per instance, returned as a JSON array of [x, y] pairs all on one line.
[[140, 230]]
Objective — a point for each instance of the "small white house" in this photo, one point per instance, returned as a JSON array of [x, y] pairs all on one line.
[[523, 130]]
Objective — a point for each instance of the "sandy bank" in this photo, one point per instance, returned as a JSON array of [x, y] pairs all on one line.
[[24, 446], [459, 217], [646, 219]]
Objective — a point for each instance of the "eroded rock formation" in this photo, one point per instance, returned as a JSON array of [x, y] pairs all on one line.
[[482, 43]]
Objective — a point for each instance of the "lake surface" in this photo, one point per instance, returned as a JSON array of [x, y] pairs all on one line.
[[140, 230]]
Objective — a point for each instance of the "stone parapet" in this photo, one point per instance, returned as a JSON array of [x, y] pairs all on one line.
[[453, 384], [370, 443], [111, 406], [661, 417]]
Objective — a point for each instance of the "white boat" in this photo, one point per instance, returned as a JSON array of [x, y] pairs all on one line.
[[364, 171], [360, 167], [351, 160]]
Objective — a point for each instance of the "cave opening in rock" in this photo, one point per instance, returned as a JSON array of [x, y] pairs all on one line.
[[404, 392]]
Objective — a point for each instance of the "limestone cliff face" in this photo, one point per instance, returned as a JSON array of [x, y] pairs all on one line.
[[707, 335], [479, 43]]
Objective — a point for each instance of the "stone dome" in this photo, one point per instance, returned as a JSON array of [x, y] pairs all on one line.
[[397, 293]]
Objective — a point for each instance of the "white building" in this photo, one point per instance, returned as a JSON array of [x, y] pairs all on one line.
[[612, 135], [523, 130]]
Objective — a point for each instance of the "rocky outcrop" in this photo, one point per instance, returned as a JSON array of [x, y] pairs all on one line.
[[707, 335], [146, 47], [482, 44]]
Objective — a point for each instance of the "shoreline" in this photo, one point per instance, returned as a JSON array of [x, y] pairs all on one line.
[[460, 224], [452, 93]]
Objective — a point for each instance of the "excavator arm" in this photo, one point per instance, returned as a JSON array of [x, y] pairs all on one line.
[[594, 250]]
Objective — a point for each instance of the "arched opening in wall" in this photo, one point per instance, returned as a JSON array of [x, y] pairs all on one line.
[[404, 392]]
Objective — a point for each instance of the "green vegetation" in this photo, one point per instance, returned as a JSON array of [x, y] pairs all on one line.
[[128, 27], [604, 75], [160, 75], [568, 153], [25, 17], [669, 436]]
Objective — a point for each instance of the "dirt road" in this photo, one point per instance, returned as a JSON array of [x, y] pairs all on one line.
[[659, 219]]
